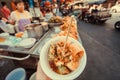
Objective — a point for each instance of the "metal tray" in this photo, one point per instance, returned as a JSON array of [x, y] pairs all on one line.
[[14, 49]]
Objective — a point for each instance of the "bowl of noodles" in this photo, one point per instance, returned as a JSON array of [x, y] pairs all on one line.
[[62, 63]]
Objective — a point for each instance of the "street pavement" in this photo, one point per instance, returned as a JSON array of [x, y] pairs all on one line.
[[102, 45]]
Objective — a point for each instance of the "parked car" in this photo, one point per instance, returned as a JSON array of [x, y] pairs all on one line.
[[115, 18]]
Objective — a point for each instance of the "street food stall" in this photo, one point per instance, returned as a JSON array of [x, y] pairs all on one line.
[[29, 49]]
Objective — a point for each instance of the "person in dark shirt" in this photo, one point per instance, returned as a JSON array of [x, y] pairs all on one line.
[[95, 10], [93, 16]]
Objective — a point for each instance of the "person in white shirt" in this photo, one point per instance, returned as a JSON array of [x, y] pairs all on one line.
[[20, 17], [48, 15], [36, 12], [101, 8], [54, 6], [91, 8]]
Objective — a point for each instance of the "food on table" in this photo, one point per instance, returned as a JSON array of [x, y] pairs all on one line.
[[66, 25], [19, 35], [72, 34], [55, 19], [64, 28], [68, 19], [67, 61], [65, 19], [2, 39]]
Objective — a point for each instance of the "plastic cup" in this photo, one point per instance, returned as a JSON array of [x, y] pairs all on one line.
[[33, 76]]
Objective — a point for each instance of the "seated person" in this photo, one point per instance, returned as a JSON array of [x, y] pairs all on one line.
[[20, 17]]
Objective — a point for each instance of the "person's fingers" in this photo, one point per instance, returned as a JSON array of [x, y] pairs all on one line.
[[4, 19], [40, 74]]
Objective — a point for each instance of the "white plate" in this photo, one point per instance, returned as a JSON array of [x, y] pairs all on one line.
[[4, 35], [7, 43], [27, 43], [49, 72]]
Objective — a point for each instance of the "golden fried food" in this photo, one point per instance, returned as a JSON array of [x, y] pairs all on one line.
[[55, 19], [67, 62], [64, 28], [19, 35], [72, 34], [2, 39]]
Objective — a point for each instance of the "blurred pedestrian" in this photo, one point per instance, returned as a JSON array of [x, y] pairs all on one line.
[[48, 15], [5, 10], [101, 8], [95, 10], [13, 5]]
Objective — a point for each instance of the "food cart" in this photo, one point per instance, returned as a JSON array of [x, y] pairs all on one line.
[[99, 17]]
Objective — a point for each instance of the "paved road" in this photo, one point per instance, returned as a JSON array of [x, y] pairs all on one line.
[[102, 44]]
